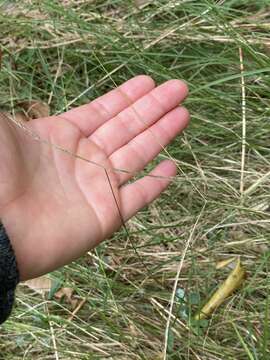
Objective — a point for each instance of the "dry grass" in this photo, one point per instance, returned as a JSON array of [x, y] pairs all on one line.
[[65, 53]]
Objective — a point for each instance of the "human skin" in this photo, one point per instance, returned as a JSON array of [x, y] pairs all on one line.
[[56, 206]]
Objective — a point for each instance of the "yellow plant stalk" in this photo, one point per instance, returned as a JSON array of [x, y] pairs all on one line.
[[233, 281]]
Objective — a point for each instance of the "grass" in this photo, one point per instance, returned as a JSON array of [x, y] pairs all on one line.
[[69, 52]]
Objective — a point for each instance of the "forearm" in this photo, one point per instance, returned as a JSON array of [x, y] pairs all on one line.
[[9, 177], [9, 275], [13, 181]]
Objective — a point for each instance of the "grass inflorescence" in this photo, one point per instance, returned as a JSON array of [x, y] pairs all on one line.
[[69, 52]]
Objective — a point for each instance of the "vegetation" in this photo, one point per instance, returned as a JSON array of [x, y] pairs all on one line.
[[68, 52]]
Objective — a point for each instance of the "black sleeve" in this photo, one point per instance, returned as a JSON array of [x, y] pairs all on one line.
[[9, 275]]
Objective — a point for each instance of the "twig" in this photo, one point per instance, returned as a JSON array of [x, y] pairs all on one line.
[[75, 311]]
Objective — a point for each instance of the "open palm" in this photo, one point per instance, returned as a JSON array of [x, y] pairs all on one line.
[[59, 205]]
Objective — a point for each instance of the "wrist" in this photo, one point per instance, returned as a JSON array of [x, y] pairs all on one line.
[[11, 179]]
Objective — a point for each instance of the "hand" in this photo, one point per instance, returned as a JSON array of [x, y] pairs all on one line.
[[55, 207]]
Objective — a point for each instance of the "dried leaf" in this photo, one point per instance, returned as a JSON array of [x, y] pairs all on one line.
[[19, 117], [64, 292], [34, 109], [30, 110], [67, 293], [74, 303], [223, 263], [233, 282], [40, 285]]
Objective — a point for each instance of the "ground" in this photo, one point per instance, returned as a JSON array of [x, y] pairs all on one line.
[[66, 53]]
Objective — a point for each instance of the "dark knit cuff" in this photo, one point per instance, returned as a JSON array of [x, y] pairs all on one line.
[[9, 275]]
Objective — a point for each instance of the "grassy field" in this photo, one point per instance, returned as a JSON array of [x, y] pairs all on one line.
[[68, 52]]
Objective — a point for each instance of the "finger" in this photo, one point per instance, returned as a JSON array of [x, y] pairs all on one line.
[[90, 116], [142, 192], [138, 117], [135, 155]]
